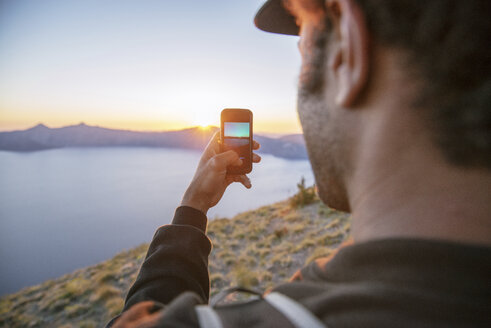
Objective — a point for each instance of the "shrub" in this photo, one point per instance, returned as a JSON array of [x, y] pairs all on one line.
[[281, 260], [75, 310], [279, 233], [217, 281], [105, 276], [243, 277], [306, 243], [298, 228], [114, 306], [325, 211], [76, 287], [266, 276], [304, 196], [87, 324], [105, 292], [330, 238], [263, 253]]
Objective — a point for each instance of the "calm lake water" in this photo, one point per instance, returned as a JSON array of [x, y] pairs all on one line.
[[65, 209]]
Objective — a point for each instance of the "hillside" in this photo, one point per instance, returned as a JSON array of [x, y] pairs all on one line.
[[257, 249], [41, 137]]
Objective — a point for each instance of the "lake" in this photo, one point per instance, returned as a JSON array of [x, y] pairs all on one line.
[[65, 209]]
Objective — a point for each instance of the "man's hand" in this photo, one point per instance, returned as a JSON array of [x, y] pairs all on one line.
[[211, 178]]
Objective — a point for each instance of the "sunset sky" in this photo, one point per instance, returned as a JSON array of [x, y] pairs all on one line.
[[143, 64]]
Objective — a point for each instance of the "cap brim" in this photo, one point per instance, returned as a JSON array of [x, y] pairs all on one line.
[[274, 18]]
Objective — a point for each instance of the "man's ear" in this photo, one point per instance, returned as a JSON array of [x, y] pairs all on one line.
[[350, 59]]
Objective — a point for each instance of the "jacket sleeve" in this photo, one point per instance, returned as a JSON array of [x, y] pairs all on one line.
[[176, 262]]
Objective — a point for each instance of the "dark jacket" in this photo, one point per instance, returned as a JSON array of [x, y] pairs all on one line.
[[382, 283]]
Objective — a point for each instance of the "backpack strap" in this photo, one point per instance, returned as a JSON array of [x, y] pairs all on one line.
[[207, 317], [294, 312], [298, 315]]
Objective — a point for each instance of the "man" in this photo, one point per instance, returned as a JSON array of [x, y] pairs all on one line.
[[394, 101]]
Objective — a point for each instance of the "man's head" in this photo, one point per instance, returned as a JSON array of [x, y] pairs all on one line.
[[432, 57]]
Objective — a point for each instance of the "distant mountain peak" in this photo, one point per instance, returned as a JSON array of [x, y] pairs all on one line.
[[39, 126], [80, 125]]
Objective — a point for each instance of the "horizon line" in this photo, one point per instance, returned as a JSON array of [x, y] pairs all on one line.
[[142, 130]]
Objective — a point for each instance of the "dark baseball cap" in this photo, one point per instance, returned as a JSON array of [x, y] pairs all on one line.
[[274, 17]]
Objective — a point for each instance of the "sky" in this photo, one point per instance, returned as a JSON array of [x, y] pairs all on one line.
[[143, 64]]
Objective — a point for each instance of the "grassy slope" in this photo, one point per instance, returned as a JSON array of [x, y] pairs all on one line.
[[258, 249]]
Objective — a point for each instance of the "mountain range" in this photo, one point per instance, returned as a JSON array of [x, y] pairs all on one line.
[[41, 137]]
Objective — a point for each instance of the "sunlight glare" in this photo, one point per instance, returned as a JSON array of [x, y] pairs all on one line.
[[205, 118]]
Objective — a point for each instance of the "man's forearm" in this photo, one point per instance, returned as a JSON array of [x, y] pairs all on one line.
[[177, 261]]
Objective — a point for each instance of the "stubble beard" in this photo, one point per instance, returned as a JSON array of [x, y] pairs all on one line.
[[324, 137]]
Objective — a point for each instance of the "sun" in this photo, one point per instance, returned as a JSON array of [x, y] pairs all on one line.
[[204, 127], [203, 123], [205, 117]]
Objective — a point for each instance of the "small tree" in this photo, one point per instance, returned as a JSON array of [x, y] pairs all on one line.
[[304, 196]]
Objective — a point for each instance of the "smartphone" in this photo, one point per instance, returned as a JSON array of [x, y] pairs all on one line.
[[236, 134]]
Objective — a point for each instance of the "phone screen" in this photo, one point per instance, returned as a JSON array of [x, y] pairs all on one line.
[[236, 137], [236, 129]]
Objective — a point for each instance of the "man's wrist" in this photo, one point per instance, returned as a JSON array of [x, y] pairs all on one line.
[[194, 203]]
